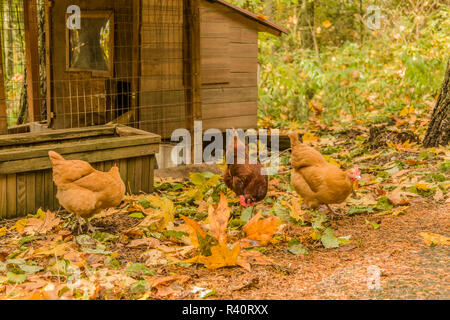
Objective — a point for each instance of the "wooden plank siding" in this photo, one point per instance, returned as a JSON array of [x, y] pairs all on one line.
[[229, 47], [162, 92]]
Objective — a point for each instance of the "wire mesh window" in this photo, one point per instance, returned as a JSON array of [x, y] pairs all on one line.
[[141, 82]]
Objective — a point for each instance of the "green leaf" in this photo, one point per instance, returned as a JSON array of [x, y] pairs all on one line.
[[210, 294], [374, 225], [138, 270], [144, 203], [30, 269], [140, 286], [138, 215], [246, 214], [298, 249], [26, 240], [383, 204], [16, 278], [207, 174], [197, 178], [328, 239], [360, 209], [318, 220], [176, 234], [112, 263]]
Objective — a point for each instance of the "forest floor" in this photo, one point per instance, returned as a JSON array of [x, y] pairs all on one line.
[[390, 241]]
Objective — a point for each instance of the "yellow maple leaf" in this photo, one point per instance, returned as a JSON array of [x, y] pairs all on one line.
[[221, 256], [295, 210], [218, 219], [308, 136], [435, 239], [2, 231], [326, 24], [20, 225], [262, 229], [194, 228], [423, 187], [165, 213], [407, 110]]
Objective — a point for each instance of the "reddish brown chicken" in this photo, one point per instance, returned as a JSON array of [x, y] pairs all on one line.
[[248, 181]]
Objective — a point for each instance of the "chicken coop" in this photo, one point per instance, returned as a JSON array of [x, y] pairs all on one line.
[[153, 65]]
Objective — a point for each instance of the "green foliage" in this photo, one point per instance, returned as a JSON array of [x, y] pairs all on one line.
[[358, 70]]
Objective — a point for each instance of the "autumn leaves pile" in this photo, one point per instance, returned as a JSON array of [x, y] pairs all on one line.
[[219, 249]]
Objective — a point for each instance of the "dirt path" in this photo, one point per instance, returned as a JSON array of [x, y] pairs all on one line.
[[409, 268]]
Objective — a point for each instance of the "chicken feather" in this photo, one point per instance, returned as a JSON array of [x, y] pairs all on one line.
[[317, 181], [84, 191]]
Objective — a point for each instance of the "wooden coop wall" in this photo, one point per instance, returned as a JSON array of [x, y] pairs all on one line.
[[162, 104], [229, 67], [26, 182], [24, 193], [80, 98]]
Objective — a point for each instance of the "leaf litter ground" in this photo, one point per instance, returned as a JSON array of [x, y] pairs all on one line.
[[192, 240]]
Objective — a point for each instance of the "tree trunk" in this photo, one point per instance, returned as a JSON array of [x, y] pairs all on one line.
[[306, 23], [439, 128]]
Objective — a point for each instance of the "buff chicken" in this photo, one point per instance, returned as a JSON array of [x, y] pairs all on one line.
[[317, 181], [84, 191]]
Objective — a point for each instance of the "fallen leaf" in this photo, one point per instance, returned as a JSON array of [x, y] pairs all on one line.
[[326, 24], [2, 231], [19, 226], [43, 226], [218, 219], [262, 229], [435, 239], [194, 229], [154, 257], [438, 196], [398, 197], [221, 256], [144, 242]]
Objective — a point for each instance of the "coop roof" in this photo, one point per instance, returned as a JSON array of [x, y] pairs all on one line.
[[265, 24]]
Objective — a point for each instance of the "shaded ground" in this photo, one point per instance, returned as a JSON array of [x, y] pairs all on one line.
[[409, 268], [113, 266]]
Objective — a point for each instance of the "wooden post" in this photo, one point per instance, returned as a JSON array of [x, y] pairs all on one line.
[[48, 65], [3, 123], [192, 63], [136, 48], [32, 59]]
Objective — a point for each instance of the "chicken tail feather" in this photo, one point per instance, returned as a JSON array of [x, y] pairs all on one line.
[[55, 157], [293, 136]]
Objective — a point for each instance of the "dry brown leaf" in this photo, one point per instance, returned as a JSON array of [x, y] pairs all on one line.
[[262, 229], [439, 195], [36, 225], [398, 197], [221, 256], [144, 242], [52, 250], [218, 219], [164, 281]]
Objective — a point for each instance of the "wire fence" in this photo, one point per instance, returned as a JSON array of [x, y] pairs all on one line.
[[99, 62]]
